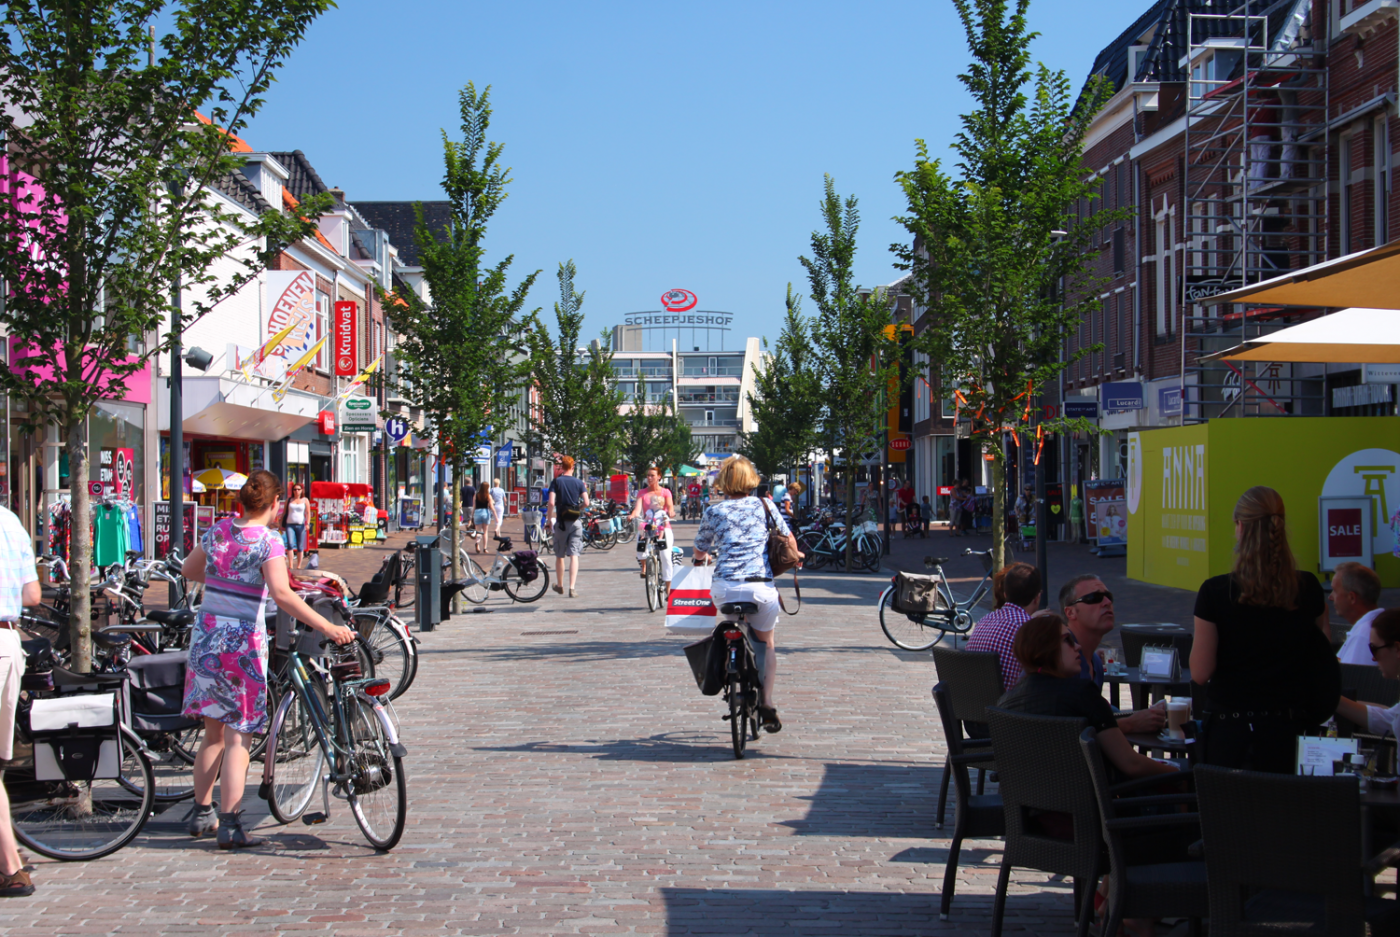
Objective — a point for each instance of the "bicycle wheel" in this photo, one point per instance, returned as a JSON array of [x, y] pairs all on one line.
[[810, 544], [650, 584], [867, 556], [76, 821], [476, 590], [903, 631], [738, 717], [296, 766], [406, 589], [377, 791], [520, 590], [172, 762], [390, 648]]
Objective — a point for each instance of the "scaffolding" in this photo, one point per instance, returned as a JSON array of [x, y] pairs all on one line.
[[1255, 196]]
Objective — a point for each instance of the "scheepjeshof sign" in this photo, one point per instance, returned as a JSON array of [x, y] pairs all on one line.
[[357, 415]]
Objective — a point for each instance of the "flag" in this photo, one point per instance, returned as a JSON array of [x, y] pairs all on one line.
[[296, 366], [268, 347], [363, 376]]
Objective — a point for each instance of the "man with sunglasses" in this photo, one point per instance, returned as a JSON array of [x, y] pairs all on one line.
[[1088, 609]]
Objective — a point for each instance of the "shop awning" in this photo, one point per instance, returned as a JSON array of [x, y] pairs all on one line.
[[1368, 279], [1351, 336], [216, 406]]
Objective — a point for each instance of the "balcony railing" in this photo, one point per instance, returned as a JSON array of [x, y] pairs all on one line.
[[692, 371], [731, 397], [715, 422]]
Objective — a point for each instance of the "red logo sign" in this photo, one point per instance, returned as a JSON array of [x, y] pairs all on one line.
[[344, 348], [899, 445], [1343, 532], [690, 602], [326, 420], [945, 490], [678, 300]]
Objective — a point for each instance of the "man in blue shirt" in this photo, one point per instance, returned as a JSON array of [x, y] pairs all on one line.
[[1088, 609]]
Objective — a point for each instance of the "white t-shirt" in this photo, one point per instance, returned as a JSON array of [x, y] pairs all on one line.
[[1357, 647], [498, 497]]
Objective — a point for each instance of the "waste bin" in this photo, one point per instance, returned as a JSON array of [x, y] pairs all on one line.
[[428, 583]]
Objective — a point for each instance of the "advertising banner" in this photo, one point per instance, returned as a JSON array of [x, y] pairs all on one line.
[[618, 488], [345, 358], [162, 528], [291, 297], [1106, 499], [1345, 524], [116, 469]]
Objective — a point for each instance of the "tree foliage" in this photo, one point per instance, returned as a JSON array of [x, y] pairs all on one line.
[[994, 258], [463, 351], [855, 362], [656, 436], [110, 204], [577, 412], [786, 401]]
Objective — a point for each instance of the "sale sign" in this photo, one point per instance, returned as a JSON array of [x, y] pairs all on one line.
[[1344, 532], [344, 350]]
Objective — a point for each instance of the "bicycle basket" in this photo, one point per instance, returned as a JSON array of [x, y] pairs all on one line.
[[867, 528], [916, 594], [527, 562]]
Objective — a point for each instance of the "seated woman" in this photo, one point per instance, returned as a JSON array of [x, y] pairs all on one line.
[[1385, 651], [1049, 654]]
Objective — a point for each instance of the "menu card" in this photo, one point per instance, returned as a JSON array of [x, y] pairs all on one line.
[[1317, 756]]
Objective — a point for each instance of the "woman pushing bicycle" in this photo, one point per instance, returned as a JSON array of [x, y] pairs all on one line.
[[655, 506], [737, 530]]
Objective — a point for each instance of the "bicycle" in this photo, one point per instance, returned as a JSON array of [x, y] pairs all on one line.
[[742, 683], [507, 573], [655, 589], [825, 541], [332, 730], [952, 616]]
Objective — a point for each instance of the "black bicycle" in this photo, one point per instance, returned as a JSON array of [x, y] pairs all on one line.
[[742, 685]]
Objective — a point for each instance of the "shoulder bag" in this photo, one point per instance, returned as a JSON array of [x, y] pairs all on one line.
[[782, 557]]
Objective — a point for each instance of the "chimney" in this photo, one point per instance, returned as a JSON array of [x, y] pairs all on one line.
[[339, 194]]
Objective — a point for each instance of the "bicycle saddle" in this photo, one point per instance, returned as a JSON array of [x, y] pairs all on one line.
[[738, 608], [110, 641], [174, 617], [503, 544], [935, 560]]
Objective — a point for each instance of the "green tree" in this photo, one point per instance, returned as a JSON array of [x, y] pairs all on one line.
[[786, 401], [656, 436], [991, 261], [855, 362], [578, 397], [463, 353], [112, 211]]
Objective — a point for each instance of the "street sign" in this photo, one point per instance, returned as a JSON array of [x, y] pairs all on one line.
[[357, 415], [1086, 407], [899, 445], [396, 429]]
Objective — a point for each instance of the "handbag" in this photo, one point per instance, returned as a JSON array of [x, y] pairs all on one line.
[[782, 554]]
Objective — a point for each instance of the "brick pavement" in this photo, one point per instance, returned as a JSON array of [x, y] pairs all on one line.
[[576, 782]]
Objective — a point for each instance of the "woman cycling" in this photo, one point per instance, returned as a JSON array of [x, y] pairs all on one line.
[[737, 530], [655, 506]]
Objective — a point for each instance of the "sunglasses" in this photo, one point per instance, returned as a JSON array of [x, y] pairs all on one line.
[[1377, 648], [1093, 598]]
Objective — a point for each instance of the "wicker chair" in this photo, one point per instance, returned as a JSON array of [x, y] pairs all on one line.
[[973, 682], [1146, 889], [975, 815], [1041, 769], [1283, 855]]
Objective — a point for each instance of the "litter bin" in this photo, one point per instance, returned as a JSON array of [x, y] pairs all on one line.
[[428, 584]]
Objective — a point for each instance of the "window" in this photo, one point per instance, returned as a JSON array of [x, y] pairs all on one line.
[[1124, 198], [1119, 250], [1381, 135], [1166, 278], [323, 312], [1120, 332], [1344, 223]]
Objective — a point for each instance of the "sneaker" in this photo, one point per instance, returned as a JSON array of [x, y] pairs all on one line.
[[18, 885], [558, 588], [204, 821], [573, 593], [231, 832]]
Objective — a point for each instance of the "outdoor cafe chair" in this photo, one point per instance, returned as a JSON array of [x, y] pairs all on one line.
[[978, 816], [1364, 682], [1284, 855], [1041, 771], [1167, 884], [973, 682]]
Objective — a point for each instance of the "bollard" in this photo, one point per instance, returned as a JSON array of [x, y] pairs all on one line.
[[428, 583]]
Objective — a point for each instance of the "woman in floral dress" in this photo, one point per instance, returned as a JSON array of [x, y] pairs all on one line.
[[240, 561]]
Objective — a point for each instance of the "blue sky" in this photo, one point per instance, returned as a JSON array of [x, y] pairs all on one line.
[[659, 145]]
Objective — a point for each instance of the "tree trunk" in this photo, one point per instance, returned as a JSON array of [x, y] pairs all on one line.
[[998, 508], [80, 553], [456, 531], [851, 519]]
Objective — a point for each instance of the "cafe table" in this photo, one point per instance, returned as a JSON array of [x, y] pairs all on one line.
[[1142, 686], [1151, 742]]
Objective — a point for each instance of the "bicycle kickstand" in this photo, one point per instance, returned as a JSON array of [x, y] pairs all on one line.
[[312, 819]]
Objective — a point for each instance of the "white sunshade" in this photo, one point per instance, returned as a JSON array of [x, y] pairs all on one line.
[[1351, 336]]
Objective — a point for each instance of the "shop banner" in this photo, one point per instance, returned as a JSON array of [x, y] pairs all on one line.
[[116, 469], [1108, 510], [162, 528], [357, 415], [291, 295], [345, 362]]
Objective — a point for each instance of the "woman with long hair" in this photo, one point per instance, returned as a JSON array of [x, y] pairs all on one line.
[[1262, 649], [482, 514]]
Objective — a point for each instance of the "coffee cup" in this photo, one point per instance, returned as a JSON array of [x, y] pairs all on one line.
[[1178, 714]]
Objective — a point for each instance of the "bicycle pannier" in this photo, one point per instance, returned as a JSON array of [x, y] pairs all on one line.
[[528, 563], [75, 738], [696, 655], [916, 594], [158, 692]]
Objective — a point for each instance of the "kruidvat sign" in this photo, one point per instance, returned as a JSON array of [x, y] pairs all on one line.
[[681, 319]]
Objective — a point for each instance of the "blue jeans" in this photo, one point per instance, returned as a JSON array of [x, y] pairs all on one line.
[[296, 536]]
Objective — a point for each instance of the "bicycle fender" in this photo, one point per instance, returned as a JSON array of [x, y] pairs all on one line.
[[270, 749], [389, 732]]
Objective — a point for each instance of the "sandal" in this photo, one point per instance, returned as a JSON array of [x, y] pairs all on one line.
[[768, 719]]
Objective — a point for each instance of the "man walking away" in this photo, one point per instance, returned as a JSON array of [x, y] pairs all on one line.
[[1356, 594], [19, 588], [567, 498]]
